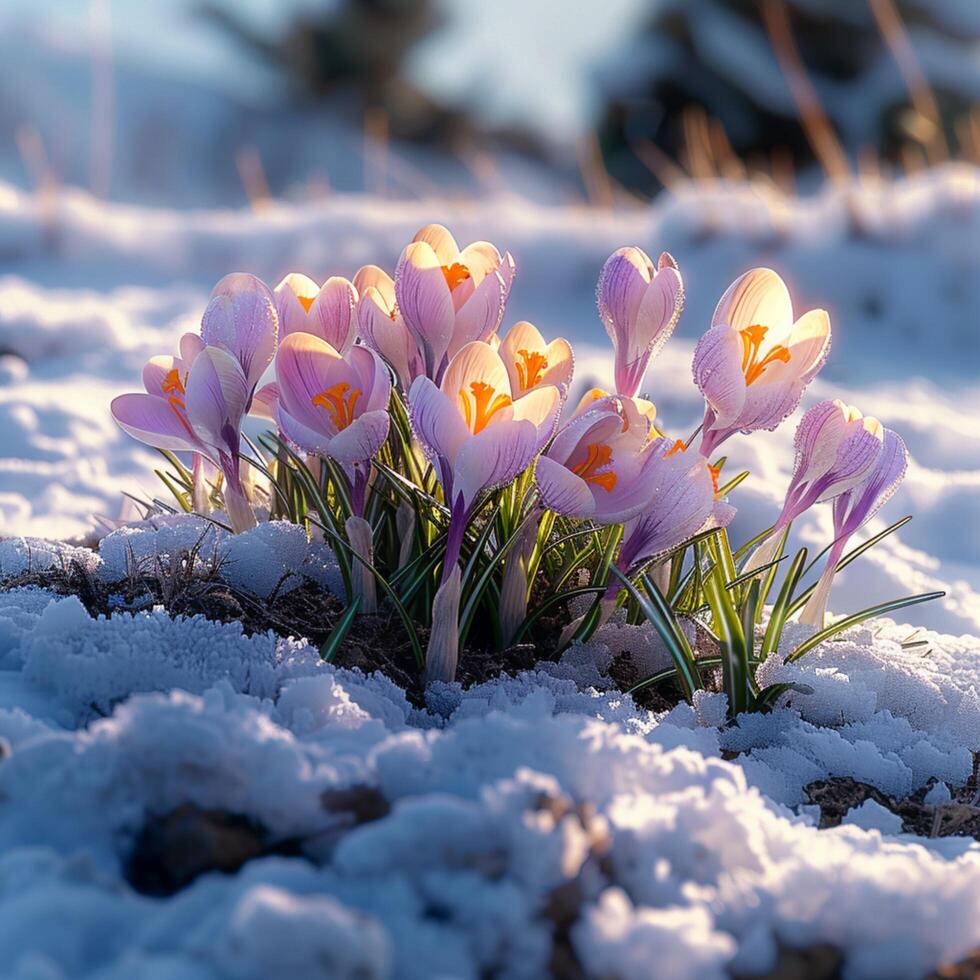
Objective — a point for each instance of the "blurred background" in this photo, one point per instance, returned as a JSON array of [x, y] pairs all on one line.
[[147, 148], [218, 102]]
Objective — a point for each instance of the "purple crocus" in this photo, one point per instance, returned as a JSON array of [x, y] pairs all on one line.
[[639, 304], [325, 311], [836, 447], [680, 503], [852, 510], [449, 296], [755, 362], [333, 404], [241, 318], [478, 436], [336, 405], [196, 402], [382, 327]]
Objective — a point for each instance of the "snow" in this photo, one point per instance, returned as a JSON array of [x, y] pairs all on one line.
[[502, 798]]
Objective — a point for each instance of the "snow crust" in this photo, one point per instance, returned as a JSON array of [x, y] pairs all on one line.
[[503, 798]]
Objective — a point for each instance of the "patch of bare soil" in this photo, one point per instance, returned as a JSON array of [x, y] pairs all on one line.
[[959, 817]]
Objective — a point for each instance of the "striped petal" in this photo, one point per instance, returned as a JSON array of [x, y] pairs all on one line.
[[718, 373], [217, 394], [425, 302], [436, 420], [362, 439], [758, 297], [332, 313], [493, 457], [241, 319], [563, 491], [152, 421]]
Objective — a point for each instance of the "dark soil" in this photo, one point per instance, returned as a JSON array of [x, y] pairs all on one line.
[[960, 817]]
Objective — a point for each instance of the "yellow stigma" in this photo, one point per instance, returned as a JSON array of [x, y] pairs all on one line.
[[530, 368], [338, 403], [597, 456], [173, 386], [753, 366], [485, 404], [455, 274]]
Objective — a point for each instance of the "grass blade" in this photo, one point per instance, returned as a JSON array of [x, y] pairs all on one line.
[[339, 633]]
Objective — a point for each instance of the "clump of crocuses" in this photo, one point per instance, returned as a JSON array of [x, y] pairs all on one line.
[[452, 470]]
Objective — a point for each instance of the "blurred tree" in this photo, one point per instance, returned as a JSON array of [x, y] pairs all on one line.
[[357, 49], [718, 85]]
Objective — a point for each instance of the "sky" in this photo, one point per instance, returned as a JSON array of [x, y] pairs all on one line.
[[525, 61]]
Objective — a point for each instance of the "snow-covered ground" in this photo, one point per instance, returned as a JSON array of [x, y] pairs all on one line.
[[526, 824], [524, 815]]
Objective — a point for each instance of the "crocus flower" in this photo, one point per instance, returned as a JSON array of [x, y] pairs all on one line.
[[639, 304], [852, 510], [325, 311], [450, 297], [333, 404], [598, 466], [479, 436], [755, 362], [382, 327], [835, 449], [532, 362], [204, 394], [680, 503], [336, 405]]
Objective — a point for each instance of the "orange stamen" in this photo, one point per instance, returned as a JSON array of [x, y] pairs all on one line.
[[530, 368], [597, 456], [173, 382], [715, 472], [752, 366], [307, 302], [338, 403], [455, 274], [486, 403], [678, 447]]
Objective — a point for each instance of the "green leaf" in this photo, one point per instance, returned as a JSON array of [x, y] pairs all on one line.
[[339, 633], [731, 638], [725, 490], [859, 617], [781, 608], [657, 611]]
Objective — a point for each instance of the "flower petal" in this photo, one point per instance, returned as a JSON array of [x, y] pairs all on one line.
[[493, 457], [306, 366], [441, 241], [622, 284], [480, 316], [309, 439], [292, 290], [375, 381], [425, 302], [540, 407], [362, 439], [332, 313], [476, 362], [264, 401], [758, 297], [153, 422], [217, 395], [436, 420], [241, 318], [718, 373], [563, 491], [370, 276], [481, 258]]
